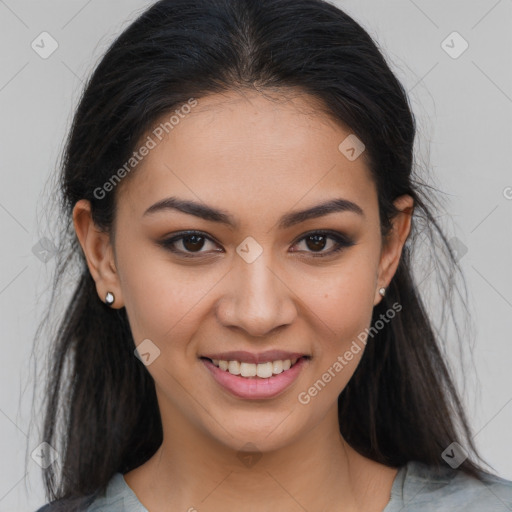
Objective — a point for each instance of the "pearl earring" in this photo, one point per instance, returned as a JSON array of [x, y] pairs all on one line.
[[109, 299], [382, 291]]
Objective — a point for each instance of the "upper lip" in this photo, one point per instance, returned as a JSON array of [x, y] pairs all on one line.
[[255, 358]]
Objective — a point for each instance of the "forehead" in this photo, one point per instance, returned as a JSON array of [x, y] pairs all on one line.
[[251, 151]]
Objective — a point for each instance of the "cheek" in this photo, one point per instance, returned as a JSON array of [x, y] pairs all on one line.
[[345, 312], [339, 305], [162, 300], [343, 299]]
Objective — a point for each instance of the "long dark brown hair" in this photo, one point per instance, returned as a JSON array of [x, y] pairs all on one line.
[[100, 408]]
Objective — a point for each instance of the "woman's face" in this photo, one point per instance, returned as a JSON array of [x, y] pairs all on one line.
[[257, 283]]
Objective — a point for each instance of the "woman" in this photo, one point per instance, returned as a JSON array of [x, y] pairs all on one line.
[[246, 332]]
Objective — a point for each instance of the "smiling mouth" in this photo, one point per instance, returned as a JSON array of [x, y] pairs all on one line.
[[252, 370]]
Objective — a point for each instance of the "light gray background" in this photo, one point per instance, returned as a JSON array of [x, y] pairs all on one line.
[[464, 110]]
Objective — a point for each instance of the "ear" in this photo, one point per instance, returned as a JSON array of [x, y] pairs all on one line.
[[98, 252], [393, 244]]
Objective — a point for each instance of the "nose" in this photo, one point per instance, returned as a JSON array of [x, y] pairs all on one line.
[[258, 300]]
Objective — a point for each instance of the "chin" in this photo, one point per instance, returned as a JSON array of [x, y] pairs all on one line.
[[260, 436]]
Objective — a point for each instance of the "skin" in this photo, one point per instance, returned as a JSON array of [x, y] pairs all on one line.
[[256, 159]]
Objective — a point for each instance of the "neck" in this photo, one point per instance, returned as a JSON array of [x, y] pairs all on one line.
[[318, 471]]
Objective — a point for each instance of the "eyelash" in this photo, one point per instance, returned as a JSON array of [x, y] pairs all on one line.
[[341, 241]]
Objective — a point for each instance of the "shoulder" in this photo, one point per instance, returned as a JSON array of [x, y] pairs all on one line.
[[425, 488], [66, 505], [117, 497]]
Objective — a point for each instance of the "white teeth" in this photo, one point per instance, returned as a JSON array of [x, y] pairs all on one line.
[[262, 370], [246, 369], [277, 367], [234, 367]]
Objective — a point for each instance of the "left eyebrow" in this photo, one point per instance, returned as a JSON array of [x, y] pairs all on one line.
[[320, 210], [288, 220]]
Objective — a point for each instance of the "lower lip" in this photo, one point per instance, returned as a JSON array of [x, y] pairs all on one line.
[[256, 387]]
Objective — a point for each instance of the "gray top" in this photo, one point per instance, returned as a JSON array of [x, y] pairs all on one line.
[[416, 488]]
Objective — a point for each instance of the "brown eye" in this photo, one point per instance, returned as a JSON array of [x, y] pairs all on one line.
[[316, 243], [193, 242], [188, 244]]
